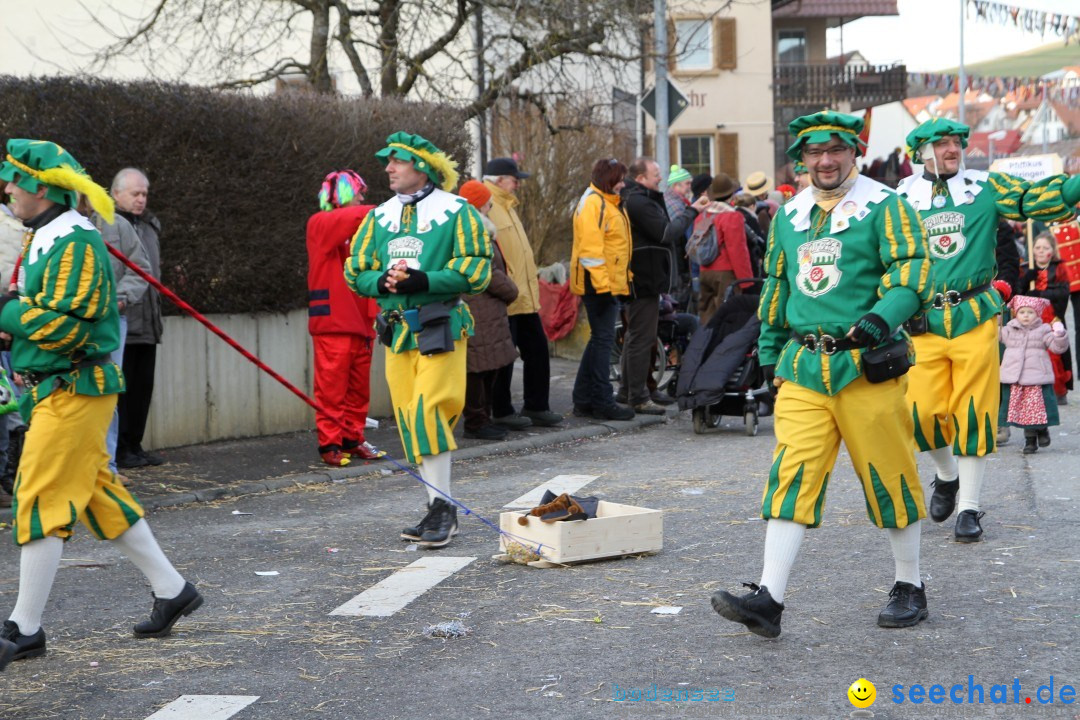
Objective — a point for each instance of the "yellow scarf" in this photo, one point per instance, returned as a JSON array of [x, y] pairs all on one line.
[[828, 199]]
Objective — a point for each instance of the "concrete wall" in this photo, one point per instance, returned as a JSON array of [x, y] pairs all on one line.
[[205, 390]]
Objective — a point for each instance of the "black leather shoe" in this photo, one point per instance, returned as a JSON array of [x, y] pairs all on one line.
[[613, 412], [968, 529], [442, 526], [151, 458], [167, 612], [26, 646], [907, 606], [1044, 437], [943, 501], [128, 460], [757, 610], [7, 652]]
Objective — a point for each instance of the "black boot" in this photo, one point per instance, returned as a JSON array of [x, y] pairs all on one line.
[[1043, 437], [757, 610], [26, 646], [943, 501], [1030, 445], [167, 612], [442, 526], [907, 606], [416, 531], [968, 529]]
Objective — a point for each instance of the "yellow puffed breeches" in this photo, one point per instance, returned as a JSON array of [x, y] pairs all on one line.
[[873, 422], [428, 395], [955, 391], [64, 472]]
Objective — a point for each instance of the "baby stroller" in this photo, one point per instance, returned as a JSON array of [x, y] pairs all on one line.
[[720, 373], [673, 332]]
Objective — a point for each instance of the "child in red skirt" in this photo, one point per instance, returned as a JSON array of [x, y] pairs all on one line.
[[1025, 365]]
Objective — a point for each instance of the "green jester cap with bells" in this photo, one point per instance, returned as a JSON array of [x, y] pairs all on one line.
[[820, 127], [933, 130], [33, 164], [425, 157]]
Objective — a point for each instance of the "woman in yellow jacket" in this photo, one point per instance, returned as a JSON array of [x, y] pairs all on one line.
[[599, 272]]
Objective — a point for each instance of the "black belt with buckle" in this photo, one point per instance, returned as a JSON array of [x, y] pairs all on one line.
[[826, 344], [955, 297], [33, 379]]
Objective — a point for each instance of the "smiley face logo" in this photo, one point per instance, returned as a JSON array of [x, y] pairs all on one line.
[[862, 693]]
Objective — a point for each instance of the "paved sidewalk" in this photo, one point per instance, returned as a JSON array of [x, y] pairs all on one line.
[[201, 473]]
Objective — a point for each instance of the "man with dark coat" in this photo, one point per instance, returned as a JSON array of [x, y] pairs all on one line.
[[656, 241], [130, 189]]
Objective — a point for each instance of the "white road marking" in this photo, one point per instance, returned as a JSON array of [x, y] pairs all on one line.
[[559, 484], [410, 582], [204, 707]]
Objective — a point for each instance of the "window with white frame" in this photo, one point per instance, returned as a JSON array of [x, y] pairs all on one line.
[[694, 44], [696, 153]]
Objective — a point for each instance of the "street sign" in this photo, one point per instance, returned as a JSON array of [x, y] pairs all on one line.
[[677, 102], [1029, 167]]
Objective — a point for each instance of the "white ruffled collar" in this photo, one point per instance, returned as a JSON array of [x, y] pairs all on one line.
[[855, 205]]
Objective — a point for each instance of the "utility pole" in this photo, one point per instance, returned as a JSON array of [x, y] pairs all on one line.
[[963, 74], [482, 118], [660, 31]]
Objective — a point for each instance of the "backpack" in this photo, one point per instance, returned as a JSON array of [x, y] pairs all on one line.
[[702, 247]]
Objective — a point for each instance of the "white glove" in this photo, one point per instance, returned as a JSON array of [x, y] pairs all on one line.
[[1058, 327]]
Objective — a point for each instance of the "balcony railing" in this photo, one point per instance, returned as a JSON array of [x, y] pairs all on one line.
[[829, 85]]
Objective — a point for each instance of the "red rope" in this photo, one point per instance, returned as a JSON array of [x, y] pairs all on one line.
[[179, 302]]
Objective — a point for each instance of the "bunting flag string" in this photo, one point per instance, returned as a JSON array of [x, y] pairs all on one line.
[[1032, 21], [1022, 88]]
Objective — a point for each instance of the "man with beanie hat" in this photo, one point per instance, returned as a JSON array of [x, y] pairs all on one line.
[[502, 176], [845, 266], [417, 254], [340, 322], [63, 322], [676, 198], [954, 390]]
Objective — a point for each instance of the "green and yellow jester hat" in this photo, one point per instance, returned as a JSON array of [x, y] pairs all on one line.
[[425, 157], [32, 164], [800, 169], [820, 127], [930, 132]]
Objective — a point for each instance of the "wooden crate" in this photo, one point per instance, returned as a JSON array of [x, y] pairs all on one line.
[[615, 531]]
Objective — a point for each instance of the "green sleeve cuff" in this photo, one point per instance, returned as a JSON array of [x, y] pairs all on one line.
[[367, 283], [899, 304], [447, 282]]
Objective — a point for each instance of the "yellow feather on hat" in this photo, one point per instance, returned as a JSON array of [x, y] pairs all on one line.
[[66, 177]]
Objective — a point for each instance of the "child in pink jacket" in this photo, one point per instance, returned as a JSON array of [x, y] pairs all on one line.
[[1025, 365]]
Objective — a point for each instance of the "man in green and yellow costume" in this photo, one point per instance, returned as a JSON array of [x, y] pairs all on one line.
[[954, 391], [416, 254], [846, 266], [63, 323]]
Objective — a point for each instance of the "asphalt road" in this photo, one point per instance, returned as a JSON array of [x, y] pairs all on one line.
[[564, 643]]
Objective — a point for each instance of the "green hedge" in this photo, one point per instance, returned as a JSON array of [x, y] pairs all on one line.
[[233, 177]]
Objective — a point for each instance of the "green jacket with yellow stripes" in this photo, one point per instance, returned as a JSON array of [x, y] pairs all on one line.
[[960, 215], [66, 313], [824, 271], [443, 236]]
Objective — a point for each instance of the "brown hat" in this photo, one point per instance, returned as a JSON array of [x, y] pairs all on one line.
[[722, 187]]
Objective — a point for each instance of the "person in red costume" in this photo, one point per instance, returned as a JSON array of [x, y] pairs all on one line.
[[342, 324]]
